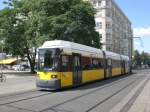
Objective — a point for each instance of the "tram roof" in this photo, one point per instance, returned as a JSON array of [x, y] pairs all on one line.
[[70, 47], [112, 55], [125, 57]]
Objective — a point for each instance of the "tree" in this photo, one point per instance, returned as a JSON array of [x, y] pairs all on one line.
[[137, 58], [145, 58], [28, 23], [141, 59]]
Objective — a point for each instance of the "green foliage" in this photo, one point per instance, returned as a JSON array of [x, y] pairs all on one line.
[[26, 24], [137, 58], [141, 59], [145, 58]]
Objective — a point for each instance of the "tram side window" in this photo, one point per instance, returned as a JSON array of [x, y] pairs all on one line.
[[97, 63], [86, 63], [116, 63], [65, 63], [119, 63], [126, 64]]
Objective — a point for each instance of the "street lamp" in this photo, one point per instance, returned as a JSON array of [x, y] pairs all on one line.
[[133, 44], [132, 49]]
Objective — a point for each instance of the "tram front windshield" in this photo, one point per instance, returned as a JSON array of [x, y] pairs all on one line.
[[48, 60]]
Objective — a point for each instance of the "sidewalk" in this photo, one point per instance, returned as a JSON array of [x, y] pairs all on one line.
[[138, 99], [16, 84], [142, 103]]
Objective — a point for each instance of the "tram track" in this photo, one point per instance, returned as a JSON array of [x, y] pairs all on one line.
[[18, 93], [45, 94], [117, 92], [9, 103], [133, 99], [37, 95], [91, 92]]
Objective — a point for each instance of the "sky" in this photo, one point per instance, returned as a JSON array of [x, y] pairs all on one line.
[[1, 4], [138, 13]]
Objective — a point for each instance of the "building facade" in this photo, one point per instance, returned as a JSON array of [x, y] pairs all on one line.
[[114, 27]]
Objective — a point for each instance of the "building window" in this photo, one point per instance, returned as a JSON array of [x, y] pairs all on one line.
[[103, 3], [108, 25], [100, 35], [108, 37], [108, 48], [107, 3], [99, 13], [94, 3], [108, 13], [99, 25], [99, 3]]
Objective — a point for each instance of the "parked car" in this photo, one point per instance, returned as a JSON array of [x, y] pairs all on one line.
[[18, 68]]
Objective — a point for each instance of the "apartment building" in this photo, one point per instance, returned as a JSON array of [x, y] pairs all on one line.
[[114, 27]]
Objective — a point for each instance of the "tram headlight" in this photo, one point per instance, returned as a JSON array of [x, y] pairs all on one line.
[[53, 76]]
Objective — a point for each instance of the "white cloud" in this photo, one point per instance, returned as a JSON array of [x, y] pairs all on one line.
[[142, 32]]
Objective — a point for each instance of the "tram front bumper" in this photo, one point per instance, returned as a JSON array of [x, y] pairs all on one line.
[[53, 84]]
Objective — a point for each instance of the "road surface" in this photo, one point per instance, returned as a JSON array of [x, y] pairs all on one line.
[[119, 94]]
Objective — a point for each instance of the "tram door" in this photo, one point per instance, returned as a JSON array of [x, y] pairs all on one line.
[[123, 70], [77, 69], [109, 68]]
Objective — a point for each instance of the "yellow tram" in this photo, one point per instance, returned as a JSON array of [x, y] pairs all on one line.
[[63, 64]]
